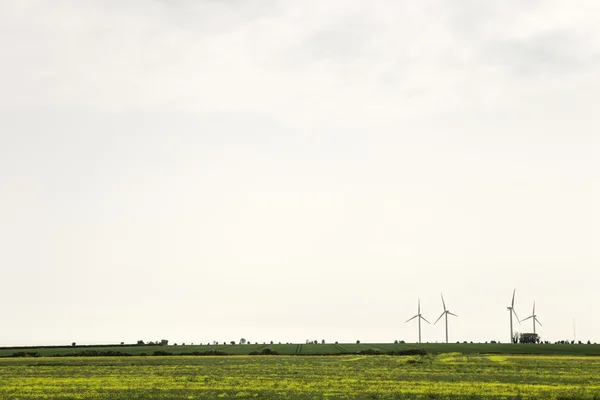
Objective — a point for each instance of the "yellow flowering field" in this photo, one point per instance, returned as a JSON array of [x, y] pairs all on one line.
[[446, 376]]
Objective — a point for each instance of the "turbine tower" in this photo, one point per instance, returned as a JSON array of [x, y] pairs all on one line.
[[533, 317], [511, 310], [420, 317], [446, 312]]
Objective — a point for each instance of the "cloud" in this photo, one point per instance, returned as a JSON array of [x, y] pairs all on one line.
[[309, 62]]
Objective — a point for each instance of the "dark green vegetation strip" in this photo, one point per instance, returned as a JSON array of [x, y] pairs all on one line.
[[445, 376], [311, 349]]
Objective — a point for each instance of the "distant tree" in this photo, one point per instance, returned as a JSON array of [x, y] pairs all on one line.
[[122, 343], [530, 338], [73, 344], [164, 342], [336, 342], [323, 341], [402, 341], [588, 342], [140, 343], [242, 341], [271, 342], [232, 342], [396, 341], [358, 342], [183, 344], [174, 344]]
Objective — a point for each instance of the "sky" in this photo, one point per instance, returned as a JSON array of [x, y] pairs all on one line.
[[283, 170]]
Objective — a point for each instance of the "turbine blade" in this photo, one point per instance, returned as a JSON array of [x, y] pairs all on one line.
[[423, 318], [531, 316], [514, 312], [439, 317], [411, 318], [443, 302], [533, 313], [419, 307], [538, 321], [452, 314], [512, 304]]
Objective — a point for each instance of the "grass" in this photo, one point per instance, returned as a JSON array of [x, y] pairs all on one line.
[[443, 376], [325, 349]]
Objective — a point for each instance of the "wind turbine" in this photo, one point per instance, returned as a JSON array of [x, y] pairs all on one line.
[[420, 317], [512, 311], [446, 312], [533, 317]]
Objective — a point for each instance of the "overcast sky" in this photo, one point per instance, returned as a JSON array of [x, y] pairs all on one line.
[[292, 170]]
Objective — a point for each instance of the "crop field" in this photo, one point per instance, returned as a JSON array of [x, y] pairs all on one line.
[[318, 349], [442, 376]]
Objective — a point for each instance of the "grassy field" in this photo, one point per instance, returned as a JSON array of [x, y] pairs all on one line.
[[325, 349], [444, 376]]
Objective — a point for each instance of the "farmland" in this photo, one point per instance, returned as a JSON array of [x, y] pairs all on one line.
[[443, 376], [319, 349]]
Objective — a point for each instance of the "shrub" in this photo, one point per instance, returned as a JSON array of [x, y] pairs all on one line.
[[95, 353], [25, 354], [410, 352], [370, 352]]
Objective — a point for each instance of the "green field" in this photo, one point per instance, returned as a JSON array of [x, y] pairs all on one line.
[[443, 376], [325, 349]]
